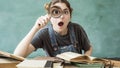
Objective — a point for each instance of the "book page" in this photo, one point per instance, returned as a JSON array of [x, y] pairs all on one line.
[[96, 59], [58, 65], [76, 57], [83, 59], [89, 59], [68, 55], [92, 58], [99, 60], [32, 64], [6, 54]]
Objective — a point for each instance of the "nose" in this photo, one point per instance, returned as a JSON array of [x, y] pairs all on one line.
[[62, 16]]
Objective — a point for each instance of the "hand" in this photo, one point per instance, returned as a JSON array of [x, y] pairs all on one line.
[[42, 21]]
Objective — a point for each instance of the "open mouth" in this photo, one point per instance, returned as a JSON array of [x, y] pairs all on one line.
[[60, 23]]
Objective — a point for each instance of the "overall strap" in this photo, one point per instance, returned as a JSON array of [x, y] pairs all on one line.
[[72, 36], [53, 38], [54, 41]]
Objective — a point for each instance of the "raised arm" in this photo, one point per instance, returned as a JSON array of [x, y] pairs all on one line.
[[24, 48]]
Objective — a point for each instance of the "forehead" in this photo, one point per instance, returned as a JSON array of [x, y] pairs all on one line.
[[61, 5]]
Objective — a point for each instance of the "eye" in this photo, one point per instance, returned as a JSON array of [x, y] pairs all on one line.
[[66, 12], [55, 12]]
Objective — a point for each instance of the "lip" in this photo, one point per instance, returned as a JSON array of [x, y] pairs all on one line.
[[61, 23]]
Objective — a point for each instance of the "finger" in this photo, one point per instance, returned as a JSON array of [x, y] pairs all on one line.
[[46, 19], [40, 20], [48, 16], [43, 22]]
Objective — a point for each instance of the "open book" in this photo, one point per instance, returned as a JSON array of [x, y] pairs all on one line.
[[11, 56], [75, 57]]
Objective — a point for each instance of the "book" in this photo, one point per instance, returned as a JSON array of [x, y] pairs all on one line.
[[8, 60], [35, 64], [58, 65], [76, 57], [93, 65], [8, 63], [11, 56]]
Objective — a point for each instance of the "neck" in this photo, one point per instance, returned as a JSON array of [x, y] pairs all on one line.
[[63, 32]]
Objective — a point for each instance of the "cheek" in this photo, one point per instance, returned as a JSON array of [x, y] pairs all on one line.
[[67, 18], [53, 20]]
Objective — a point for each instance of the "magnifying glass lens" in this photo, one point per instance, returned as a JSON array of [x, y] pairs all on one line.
[[55, 12]]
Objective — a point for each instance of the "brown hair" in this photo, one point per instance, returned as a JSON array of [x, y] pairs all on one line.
[[48, 5]]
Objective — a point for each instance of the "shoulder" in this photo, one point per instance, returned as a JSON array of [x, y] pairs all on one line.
[[78, 29], [43, 32], [76, 26]]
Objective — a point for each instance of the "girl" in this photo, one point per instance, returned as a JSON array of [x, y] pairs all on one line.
[[61, 35]]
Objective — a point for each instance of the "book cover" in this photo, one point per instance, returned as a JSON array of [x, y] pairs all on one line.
[[93, 65]]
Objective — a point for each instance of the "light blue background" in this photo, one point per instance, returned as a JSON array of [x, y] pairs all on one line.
[[100, 19]]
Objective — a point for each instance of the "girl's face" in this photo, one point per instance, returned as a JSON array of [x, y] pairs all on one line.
[[60, 23]]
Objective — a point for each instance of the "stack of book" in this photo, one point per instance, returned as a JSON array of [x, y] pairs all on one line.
[[8, 60]]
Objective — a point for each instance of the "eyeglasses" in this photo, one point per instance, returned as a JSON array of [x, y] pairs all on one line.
[[56, 12]]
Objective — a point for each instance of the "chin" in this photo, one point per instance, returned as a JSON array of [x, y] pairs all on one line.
[[59, 29]]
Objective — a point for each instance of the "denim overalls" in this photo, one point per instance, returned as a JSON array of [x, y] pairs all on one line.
[[57, 49]]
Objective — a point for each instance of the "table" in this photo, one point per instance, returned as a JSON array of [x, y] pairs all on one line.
[[10, 63], [116, 64]]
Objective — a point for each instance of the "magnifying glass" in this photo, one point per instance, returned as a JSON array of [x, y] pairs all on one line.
[[55, 11]]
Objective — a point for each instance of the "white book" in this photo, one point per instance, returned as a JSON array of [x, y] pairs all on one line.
[[35, 64]]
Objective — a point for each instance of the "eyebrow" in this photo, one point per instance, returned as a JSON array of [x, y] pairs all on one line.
[[56, 7], [66, 9], [59, 7]]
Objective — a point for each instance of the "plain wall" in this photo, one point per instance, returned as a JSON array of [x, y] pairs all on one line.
[[99, 18]]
